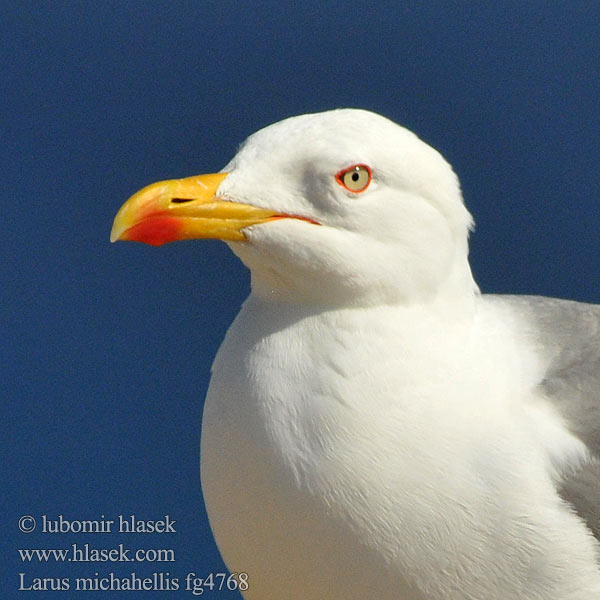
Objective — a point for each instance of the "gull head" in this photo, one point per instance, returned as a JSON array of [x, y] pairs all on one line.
[[339, 207]]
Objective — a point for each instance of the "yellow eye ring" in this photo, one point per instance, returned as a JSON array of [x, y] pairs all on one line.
[[355, 179]]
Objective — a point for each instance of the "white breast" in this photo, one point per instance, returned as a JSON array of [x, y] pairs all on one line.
[[338, 463]]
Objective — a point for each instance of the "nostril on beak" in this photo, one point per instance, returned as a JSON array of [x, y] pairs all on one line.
[[180, 200]]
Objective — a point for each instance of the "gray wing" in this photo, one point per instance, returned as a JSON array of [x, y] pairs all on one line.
[[567, 334]]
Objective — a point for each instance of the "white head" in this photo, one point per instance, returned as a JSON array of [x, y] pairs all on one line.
[[289, 207], [402, 239]]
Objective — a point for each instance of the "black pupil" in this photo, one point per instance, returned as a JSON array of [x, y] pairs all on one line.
[[355, 176]]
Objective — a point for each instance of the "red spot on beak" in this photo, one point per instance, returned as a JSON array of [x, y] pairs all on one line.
[[156, 231]]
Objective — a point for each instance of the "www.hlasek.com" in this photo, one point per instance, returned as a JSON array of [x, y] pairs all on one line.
[[79, 552]]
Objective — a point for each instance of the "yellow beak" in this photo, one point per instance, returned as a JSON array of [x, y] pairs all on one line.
[[183, 209]]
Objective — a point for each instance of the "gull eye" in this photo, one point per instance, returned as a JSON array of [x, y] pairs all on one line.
[[355, 178]]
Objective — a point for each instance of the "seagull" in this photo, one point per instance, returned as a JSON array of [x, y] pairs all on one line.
[[375, 427]]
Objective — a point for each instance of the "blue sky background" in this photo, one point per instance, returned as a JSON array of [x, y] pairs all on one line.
[[107, 348]]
